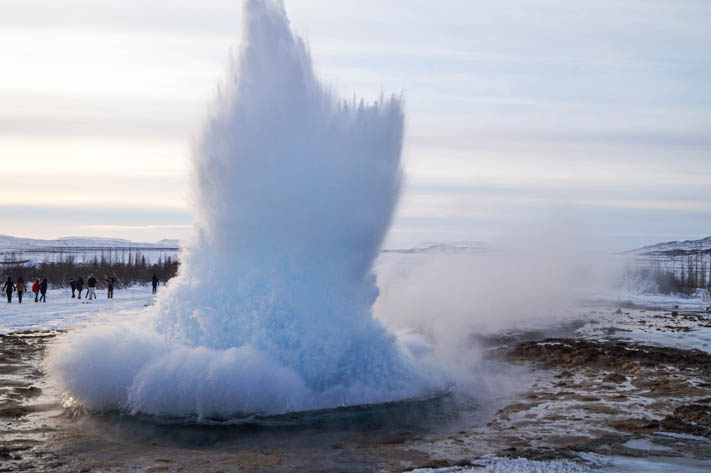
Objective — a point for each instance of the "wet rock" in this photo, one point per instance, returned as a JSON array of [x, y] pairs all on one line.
[[435, 464], [28, 392], [691, 419], [575, 353], [13, 409], [605, 409], [696, 413], [539, 454], [614, 378], [397, 437], [9, 369]]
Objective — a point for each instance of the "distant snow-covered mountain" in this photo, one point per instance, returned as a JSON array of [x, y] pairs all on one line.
[[83, 249], [438, 247], [674, 248], [14, 243]]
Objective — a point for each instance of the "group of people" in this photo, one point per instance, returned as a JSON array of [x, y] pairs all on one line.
[[78, 285], [39, 288]]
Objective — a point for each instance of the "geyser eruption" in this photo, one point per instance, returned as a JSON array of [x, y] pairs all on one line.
[[272, 310]]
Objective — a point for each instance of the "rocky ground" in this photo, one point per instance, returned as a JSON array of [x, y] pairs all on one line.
[[26, 408], [593, 391]]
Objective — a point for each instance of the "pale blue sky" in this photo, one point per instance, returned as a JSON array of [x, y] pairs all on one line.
[[597, 111]]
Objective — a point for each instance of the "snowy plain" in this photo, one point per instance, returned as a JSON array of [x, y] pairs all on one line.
[[61, 312]]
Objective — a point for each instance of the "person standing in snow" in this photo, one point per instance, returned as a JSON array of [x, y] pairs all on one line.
[[43, 290], [21, 288], [73, 285], [91, 285], [80, 285], [9, 287], [110, 287], [154, 281], [36, 288]]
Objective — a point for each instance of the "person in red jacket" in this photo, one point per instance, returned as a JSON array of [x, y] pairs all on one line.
[[35, 289]]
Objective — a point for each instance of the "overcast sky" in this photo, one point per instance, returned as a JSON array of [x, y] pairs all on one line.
[[597, 112]]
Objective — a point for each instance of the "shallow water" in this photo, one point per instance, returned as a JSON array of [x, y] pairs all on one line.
[[392, 422]]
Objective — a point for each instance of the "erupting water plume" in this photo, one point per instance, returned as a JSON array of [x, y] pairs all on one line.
[[272, 310]]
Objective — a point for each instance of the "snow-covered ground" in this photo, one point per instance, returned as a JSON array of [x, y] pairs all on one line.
[[62, 312], [654, 326], [698, 338], [600, 464], [698, 301]]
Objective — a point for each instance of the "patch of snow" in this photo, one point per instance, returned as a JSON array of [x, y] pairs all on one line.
[[600, 464], [698, 302], [683, 436], [656, 465], [698, 338], [494, 464], [645, 445]]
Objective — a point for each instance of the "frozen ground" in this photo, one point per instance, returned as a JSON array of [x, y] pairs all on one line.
[[493, 464], [600, 415], [698, 301], [672, 328]]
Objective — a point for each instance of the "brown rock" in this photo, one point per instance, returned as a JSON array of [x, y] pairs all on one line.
[[614, 378]]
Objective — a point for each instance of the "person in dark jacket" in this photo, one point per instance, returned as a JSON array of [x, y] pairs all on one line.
[[73, 285], [91, 287], [9, 287], [36, 288], [80, 285], [110, 287], [21, 288], [155, 281], [43, 290]]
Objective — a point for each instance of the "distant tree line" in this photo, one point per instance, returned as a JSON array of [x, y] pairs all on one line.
[[131, 271], [682, 276]]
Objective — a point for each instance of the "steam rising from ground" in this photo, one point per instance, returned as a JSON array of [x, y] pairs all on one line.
[[529, 281], [272, 310]]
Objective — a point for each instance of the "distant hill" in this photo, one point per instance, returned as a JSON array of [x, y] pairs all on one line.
[[674, 248], [438, 247], [23, 244], [83, 249]]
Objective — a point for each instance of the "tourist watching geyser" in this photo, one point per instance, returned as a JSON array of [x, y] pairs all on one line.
[[21, 288], [9, 287]]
